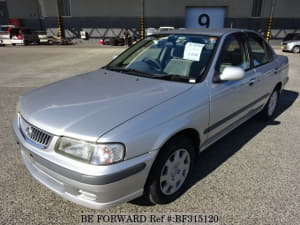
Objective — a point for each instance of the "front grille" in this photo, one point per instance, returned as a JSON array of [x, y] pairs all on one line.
[[34, 135]]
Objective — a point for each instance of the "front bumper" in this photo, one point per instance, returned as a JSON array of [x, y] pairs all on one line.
[[286, 47], [46, 40], [97, 187]]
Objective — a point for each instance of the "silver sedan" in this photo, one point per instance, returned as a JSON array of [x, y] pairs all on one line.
[[135, 126]]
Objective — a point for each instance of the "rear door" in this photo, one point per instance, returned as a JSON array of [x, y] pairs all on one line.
[[266, 68]]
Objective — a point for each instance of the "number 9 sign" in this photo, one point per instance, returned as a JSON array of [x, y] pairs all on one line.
[[204, 17], [204, 20]]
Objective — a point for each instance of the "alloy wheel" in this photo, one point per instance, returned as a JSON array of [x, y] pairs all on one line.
[[272, 103], [175, 171], [296, 49]]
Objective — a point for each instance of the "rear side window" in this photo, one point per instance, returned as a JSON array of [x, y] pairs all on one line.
[[4, 28], [260, 52], [15, 31]]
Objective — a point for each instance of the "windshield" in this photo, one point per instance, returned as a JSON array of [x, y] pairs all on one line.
[[166, 57], [290, 37]]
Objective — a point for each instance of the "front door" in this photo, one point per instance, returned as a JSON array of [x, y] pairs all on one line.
[[231, 101]]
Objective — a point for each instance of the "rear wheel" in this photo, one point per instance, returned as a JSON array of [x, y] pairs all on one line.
[[270, 108], [296, 49], [171, 171]]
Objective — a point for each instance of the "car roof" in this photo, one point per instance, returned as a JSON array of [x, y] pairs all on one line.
[[205, 31]]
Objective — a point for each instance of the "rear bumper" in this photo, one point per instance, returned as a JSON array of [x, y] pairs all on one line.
[[110, 186], [16, 41]]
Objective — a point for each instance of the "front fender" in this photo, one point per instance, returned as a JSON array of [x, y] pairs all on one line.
[[152, 129]]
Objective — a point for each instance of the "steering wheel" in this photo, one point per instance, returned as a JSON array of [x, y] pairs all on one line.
[[154, 63]]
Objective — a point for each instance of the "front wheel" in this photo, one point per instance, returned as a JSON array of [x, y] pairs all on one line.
[[171, 171], [296, 49]]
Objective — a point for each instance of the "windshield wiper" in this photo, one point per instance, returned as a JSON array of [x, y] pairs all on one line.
[[174, 77], [130, 71]]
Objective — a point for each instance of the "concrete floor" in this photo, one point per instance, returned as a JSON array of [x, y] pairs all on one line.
[[252, 176]]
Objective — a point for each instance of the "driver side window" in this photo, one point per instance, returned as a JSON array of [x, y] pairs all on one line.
[[233, 53]]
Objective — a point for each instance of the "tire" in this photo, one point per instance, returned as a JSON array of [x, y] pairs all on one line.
[[296, 49], [171, 171], [269, 110]]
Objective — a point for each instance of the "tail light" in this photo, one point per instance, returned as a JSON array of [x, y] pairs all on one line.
[[19, 37]]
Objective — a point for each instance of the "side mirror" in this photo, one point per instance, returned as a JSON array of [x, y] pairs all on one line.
[[232, 73]]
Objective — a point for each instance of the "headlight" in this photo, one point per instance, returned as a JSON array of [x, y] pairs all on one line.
[[107, 154], [97, 154]]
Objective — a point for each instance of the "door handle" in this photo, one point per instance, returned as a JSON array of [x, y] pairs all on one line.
[[252, 81]]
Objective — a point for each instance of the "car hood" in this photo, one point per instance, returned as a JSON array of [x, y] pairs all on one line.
[[89, 105], [291, 41]]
